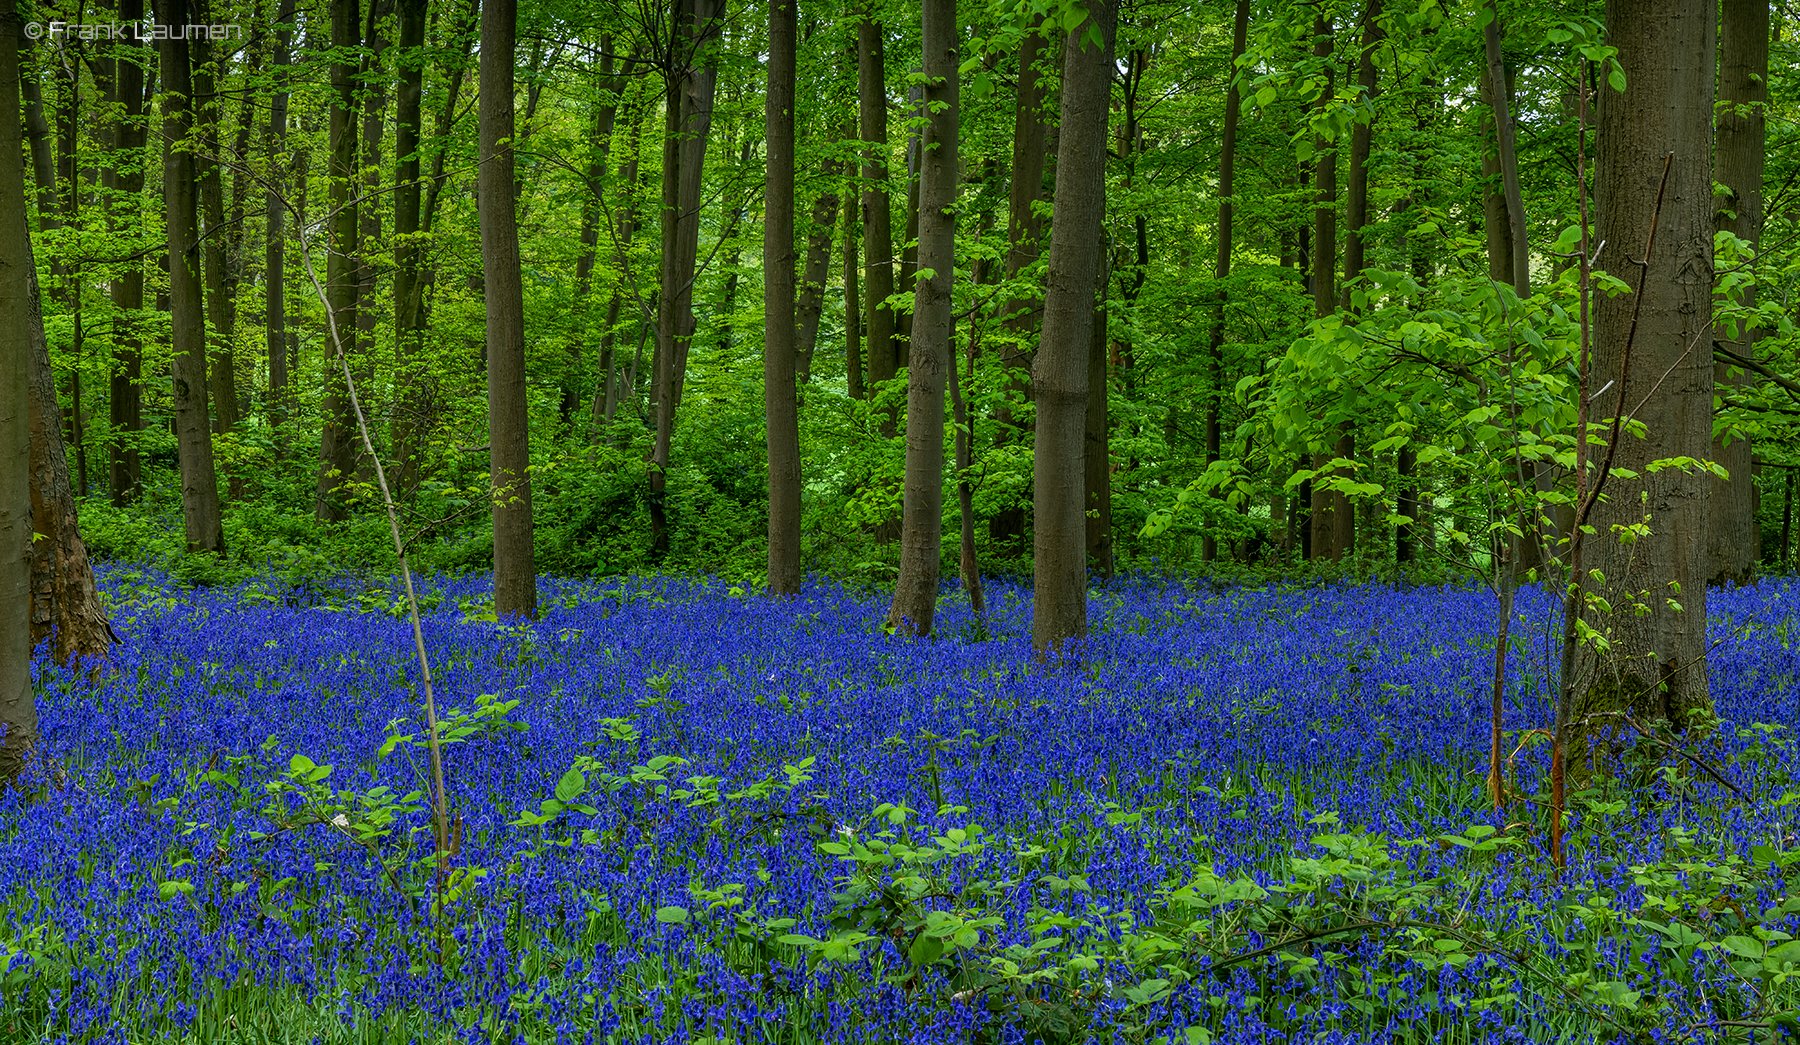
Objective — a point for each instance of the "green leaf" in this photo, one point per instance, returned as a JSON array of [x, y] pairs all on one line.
[[173, 887], [672, 915], [572, 785]]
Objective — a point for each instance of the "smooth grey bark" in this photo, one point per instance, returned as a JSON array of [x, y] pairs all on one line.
[[1059, 375], [1653, 196], [1733, 538], [780, 410], [810, 303], [922, 517], [18, 705], [515, 568], [187, 320]]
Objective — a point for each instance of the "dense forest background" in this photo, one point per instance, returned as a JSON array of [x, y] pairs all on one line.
[[1316, 286]]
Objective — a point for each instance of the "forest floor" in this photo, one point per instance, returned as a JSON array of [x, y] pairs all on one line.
[[686, 813]]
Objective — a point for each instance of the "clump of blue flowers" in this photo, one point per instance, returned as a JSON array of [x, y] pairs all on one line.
[[684, 813]]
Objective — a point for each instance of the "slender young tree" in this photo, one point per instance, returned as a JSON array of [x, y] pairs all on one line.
[[779, 336], [18, 706], [194, 449], [1733, 539], [515, 569], [922, 517], [1060, 373], [1654, 203]]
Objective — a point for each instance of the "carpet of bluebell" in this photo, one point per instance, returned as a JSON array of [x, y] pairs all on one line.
[[683, 813]]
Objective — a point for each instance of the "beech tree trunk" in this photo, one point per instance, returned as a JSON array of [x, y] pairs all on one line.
[[209, 116], [1240, 30], [853, 313], [688, 105], [1653, 195], [275, 233], [187, 318], [18, 705], [1733, 539], [1332, 523], [779, 348], [125, 398], [515, 569], [1096, 440], [1024, 236], [1059, 376], [921, 527], [811, 302], [877, 210], [337, 445]]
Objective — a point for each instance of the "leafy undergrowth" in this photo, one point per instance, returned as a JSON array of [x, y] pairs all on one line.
[[682, 813]]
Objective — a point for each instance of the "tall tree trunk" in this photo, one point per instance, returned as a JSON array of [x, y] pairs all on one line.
[[608, 87], [811, 303], [1509, 261], [337, 449], [18, 706], [853, 313], [373, 95], [275, 228], [1331, 517], [1024, 236], [779, 348], [688, 109], [515, 569], [1096, 441], [877, 210], [65, 606], [922, 520], [209, 116], [125, 399], [199, 479], [1733, 539], [1059, 376], [1240, 29], [69, 279], [618, 381], [408, 250], [1654, 201]]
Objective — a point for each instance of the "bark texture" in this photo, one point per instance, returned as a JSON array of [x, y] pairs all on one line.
[[1331, 523], [1650, 346], [18, 706], [1059, 375], [921, 528], [779, 348], [515, 569], [690, 80], [199, 478], [1733, 539]]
